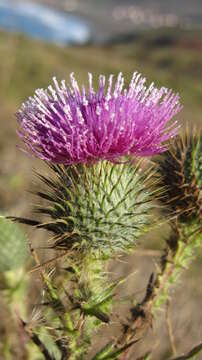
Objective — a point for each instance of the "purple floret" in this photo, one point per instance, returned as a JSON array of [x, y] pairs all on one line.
[[69, 125]]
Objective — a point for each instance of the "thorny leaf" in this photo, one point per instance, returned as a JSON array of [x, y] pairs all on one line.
[[108, 353]]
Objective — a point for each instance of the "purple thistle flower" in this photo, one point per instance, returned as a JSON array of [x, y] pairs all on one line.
[[69, 125]]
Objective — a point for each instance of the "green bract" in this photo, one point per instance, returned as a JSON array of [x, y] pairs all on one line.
[[102, 207]]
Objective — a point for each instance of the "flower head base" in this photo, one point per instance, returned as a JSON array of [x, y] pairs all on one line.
[[69, 125], [101, 208]]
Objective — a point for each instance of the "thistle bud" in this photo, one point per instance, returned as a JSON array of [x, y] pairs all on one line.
[[181, 174]]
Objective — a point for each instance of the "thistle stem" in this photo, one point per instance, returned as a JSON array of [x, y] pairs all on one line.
[[170, 329], [177, 256]]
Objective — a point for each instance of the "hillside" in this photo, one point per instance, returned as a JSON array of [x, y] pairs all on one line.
[[109, 17], [169, 57]]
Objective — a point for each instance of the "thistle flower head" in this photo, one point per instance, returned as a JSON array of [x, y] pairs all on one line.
[[181, 174], [69, 125]]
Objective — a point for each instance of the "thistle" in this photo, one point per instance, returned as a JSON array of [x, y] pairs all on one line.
[[99, 198], [68, 125], [181, 174], [97, 205], [180, 171]]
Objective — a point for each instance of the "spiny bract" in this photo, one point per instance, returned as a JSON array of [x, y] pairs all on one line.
[[102, 207], [181, 174]]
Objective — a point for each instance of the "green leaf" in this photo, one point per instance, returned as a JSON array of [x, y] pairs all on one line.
[[13, 246]]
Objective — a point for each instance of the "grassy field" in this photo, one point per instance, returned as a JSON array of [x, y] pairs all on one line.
[[171, 58]]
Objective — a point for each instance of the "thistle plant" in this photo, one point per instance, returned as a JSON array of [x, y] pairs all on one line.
[[99, 200], [180, 174]]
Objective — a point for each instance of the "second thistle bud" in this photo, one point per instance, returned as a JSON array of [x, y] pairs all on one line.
[[181, 174]]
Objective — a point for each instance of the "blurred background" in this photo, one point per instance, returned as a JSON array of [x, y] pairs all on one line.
[[41, 39]]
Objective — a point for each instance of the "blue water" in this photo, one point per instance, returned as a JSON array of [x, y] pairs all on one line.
[[43, 22]]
